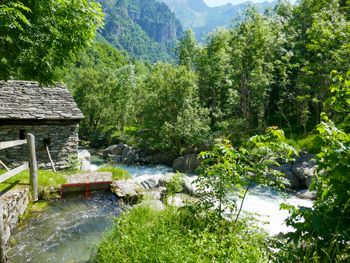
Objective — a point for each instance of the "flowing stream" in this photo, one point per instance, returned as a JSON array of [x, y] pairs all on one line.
[[69, 230]]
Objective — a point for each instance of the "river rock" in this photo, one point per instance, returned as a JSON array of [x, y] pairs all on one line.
[[130, 155], [84, 155], [187, 163], [148, 181], [163, 180], [127, 190], [293, 181], [305, 168], [306, 194], [189, 185], [113, 150]]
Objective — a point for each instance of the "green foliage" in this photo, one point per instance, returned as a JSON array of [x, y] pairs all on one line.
[[37, 37], [175, 185], [144, 235], [227, 171], [173, 118], [322, 232], [339, 101], [117, 173]]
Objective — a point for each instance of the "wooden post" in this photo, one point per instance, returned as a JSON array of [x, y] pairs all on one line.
[[33, 167], [2, 243]]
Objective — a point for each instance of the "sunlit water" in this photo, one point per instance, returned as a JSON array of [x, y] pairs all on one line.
[[68, 230]]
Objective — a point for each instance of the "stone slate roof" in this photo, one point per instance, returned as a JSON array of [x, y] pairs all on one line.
[[26, 100]]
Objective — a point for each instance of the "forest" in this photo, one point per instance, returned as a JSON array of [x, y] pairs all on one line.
[[249, 97]]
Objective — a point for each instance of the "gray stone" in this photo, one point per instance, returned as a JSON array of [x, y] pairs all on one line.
[[293, 181], [129, 155], [115, 149], [163, 180], [84, 155], [126, 189], [306, 194], [305, 168], [148, 181], [187, 163], [190, 186]]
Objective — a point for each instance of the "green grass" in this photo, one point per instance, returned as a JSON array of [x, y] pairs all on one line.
[[310, 143], [45, 178], [117, 173], [177, 235]]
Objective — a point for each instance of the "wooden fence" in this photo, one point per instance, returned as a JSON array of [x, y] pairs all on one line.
[[33, 178]]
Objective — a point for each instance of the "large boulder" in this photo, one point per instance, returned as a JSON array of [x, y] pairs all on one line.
[[148, 181], [293, 181], [306, 194], [84, 155], [115, 149], [305, 168], [130, 155], [187, 163], [189, 185], [127, 190]]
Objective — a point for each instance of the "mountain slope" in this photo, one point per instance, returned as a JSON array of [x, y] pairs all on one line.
[[146, 29], [203, 19]]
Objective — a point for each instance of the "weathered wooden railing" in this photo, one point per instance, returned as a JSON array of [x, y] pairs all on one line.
[[33, 178]]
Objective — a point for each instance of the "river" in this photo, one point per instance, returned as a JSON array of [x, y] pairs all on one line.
[[69, 230]]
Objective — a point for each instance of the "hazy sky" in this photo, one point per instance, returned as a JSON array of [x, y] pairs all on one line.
[[222, 2]]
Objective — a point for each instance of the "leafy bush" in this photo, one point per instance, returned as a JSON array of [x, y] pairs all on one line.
[[175, 185], [322, 233], [117, 173], [180, 235]]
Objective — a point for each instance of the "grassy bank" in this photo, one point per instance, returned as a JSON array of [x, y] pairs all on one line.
[[45, 178], [177, 235]]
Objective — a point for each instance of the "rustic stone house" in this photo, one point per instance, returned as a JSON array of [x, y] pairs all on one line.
[[49, 113]]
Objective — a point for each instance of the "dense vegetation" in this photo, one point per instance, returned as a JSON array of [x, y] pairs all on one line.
[[271, 69], [147, 30]]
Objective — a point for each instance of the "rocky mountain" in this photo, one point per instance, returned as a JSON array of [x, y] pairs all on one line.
[[146, 29], [203, 19]]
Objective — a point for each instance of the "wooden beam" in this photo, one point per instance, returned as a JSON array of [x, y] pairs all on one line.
[[13, 172], [9, 144], [33, 167]]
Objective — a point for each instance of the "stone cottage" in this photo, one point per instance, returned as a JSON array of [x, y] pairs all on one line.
[[48, 112]]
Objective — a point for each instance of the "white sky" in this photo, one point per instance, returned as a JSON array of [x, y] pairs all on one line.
[[222, 2]]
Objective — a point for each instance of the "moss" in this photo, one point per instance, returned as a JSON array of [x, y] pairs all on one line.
[[117, 173]]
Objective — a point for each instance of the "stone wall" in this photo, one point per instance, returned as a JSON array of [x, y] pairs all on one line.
[[13, 204], [61, 138]]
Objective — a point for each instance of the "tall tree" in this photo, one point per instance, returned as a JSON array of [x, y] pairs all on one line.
[[37, 37]]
